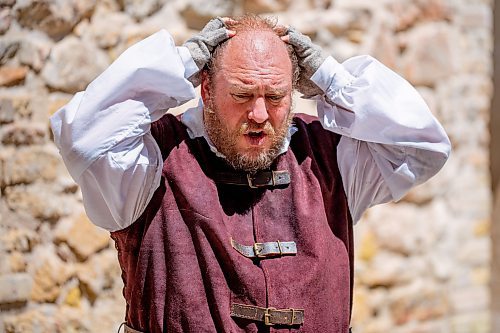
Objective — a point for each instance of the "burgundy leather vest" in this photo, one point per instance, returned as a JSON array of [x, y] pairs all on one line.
[[180, 271]]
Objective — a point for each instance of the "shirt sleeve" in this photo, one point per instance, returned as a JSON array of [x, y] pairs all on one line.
[[103, 133], [390, 139]]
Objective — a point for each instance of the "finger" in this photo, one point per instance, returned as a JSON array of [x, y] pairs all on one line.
[[230, 33], [213, 24], [285, 38], [228, 20]]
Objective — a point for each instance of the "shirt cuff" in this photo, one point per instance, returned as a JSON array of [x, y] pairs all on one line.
[[190, 66], [331, 76]]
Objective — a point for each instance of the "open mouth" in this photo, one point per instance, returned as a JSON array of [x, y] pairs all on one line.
[[255, 138]]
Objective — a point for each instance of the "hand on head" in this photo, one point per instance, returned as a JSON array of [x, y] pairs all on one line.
[[310, 58], [202, 45], [218, 30]]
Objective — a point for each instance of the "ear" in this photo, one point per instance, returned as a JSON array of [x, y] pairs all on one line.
[[205, 87]]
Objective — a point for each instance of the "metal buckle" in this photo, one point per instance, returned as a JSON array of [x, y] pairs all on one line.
[[267, 317], [257, 250], [250, 181]]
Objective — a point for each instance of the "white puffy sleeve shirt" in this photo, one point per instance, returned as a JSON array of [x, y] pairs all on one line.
[[390, 140]]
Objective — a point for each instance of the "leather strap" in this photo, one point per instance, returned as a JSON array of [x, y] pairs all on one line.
[[256, 180], [267, 249], [270, 316]]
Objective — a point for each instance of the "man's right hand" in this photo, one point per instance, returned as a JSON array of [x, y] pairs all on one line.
[[310, 58], [202, 45]]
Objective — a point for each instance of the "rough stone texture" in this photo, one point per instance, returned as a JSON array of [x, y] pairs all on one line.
[[81, 236], [29, 164], [10, 76], [495, 177], [198, 12], [71, 53], [15, 288], [422, 265], [54, 17]]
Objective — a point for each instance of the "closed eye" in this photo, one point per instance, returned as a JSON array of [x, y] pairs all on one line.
[[241, 97], [275, 98]]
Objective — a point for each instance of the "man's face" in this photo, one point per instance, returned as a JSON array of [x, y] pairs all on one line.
[[247, 104]]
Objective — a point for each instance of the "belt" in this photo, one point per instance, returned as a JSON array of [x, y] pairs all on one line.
[[268, 249], [255, 180], [270, 316]]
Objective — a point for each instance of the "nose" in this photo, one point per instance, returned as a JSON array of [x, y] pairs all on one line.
[[259, 111]]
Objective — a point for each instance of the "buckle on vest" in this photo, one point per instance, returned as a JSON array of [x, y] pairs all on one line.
[[267, 317], [250, 180], [257, 248]]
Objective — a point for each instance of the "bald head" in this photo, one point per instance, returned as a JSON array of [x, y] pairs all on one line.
[[257, 40], [253, 51]]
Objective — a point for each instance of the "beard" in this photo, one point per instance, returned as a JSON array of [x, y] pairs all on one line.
[[251, 159]]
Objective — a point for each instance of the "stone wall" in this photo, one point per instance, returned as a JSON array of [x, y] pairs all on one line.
[[423, 265], [495, 176]]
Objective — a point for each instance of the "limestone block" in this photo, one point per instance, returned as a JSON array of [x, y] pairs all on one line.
[[469, 299], [106, 314], [265, 6], [17, 262], [384, 47], [6, 111], [49, 275], [166, 18], [7, 3], [473, 322], [39, 320], [75, 319], [388, 270], [34, 50], [98, 273], [19, 239], [8, 49], [54, 17], [4, 261], [82, 236], [407, 229], [408, 13], [24, 133], [474, 15], [39, 200], [198, 12], [11, 76], [442, 265], [20, 101], [419, 301], [464, 104], [72, 64], [29, 164], [431, 54], [140, 9], [361, 307], [107, 28], [56, 101], [15, 288], [5, 20], [475, 252]]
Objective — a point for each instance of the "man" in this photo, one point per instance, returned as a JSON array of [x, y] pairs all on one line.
[[237, 216]]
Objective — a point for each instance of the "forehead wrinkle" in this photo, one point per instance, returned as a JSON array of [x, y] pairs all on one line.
[[279, 89]]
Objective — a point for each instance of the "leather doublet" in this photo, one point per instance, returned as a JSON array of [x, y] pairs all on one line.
[[181, 271]]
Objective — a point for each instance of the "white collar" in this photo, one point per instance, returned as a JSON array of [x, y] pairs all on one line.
[[193, 120]]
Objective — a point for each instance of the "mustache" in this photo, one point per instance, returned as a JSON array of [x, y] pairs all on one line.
[[252, 126]]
